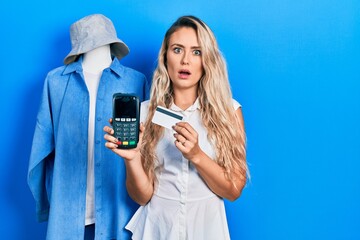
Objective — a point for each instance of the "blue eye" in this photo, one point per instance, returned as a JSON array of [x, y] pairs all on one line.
[[177, 50], [197, 52]]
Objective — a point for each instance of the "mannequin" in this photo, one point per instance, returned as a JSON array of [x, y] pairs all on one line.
[[95, 61], [93, 64], [76, 182]]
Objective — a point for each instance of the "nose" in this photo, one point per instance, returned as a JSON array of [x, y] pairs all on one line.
[[185, 59]]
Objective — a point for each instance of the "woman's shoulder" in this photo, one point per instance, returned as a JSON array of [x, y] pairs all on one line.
[[236, 104], [144, 109], [145, 103]]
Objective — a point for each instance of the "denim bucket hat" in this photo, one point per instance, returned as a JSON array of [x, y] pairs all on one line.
[[91, 32]]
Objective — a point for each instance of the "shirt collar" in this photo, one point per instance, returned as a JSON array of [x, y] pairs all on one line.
[[192, 108], [76, 66], [73, 67]]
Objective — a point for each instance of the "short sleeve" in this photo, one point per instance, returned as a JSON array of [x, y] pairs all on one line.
[[236, 104], [144, 110]]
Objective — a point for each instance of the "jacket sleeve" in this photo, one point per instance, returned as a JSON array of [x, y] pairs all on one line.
[[42, 157], [146, 89]]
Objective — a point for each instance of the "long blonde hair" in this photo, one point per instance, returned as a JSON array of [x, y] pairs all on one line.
[[215, 98]]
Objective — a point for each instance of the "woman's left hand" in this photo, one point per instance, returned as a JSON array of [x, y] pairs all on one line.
[[186, 140]]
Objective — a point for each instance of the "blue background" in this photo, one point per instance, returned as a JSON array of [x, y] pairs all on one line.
[[293, 65]]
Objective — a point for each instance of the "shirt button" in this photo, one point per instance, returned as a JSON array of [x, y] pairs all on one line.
[[97, 141], [99, 118]]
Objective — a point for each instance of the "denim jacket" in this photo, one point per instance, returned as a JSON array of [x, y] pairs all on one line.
[[58, 161]]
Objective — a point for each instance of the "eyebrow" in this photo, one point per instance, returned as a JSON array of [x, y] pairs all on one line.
[[180, 45]]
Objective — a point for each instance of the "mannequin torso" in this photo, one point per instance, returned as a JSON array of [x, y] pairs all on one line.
[[93, 64]]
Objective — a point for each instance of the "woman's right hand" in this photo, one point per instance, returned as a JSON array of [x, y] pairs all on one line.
[[139, 186], [127, 154]]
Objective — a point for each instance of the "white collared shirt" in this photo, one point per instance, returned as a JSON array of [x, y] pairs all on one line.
[[182, 207]]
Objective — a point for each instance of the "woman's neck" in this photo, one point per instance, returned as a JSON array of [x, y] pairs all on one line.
[[184, 99], [95, 61]]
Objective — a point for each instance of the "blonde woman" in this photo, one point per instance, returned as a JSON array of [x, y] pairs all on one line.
[[180, 176]]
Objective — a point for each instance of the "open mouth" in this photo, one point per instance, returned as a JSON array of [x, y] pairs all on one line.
[[183, 73]]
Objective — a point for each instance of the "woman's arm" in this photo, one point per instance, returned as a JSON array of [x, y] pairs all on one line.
[[139, 185], [212, 173]]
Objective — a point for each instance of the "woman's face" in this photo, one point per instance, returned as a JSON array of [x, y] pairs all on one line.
[[184, 62]]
